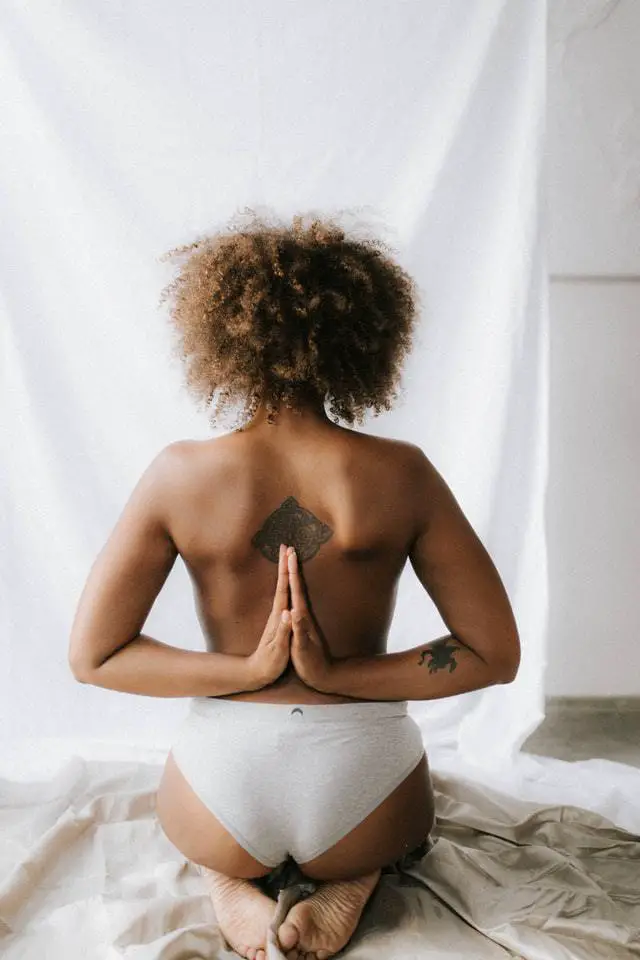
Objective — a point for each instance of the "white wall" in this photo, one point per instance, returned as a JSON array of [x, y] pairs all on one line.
[[593, 506]]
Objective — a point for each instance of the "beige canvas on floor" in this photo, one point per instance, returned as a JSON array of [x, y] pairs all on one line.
[[86, 872]]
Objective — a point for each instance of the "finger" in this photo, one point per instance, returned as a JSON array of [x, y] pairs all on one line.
[[299, 625], [298, 601], [283, 627], [281, 598]]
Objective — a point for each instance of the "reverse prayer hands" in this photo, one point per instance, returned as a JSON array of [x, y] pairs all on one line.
[[311, 659], [290, 634], [271, 656]]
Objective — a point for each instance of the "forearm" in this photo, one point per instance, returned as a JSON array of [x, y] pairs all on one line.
[[148, 667], [443, 668]]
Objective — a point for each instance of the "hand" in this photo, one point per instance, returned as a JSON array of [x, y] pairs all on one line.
[[311, 659], [271, 656]]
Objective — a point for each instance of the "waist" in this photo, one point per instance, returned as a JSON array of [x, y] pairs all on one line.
[[289, 689], [356, 710]]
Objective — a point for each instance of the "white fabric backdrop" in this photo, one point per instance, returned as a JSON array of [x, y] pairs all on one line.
[[128, 129]]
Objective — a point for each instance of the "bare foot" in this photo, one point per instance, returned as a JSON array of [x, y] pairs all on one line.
[[323, 923], [243, 913]]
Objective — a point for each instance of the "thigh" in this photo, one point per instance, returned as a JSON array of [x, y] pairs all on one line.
[[399, 824], [196, 832]]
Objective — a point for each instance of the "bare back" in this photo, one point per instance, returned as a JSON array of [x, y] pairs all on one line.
[[345, 499]]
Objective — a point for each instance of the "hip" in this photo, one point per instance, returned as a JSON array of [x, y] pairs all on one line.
[[249, 733]]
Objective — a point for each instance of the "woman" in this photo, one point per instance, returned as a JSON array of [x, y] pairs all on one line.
[[298, 745]]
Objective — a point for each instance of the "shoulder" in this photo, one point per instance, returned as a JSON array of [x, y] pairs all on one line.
[[406, 469], [414, 461], [173, 467], [421, 484], [420, 476], [406, 461], [403, 455], [189, 452], [186, 464], [173, 459], [177, 477]]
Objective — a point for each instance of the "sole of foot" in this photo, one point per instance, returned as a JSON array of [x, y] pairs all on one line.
[[243, 913], [323, 924]]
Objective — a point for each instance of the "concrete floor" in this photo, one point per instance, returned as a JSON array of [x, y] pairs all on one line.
[[577, 728]]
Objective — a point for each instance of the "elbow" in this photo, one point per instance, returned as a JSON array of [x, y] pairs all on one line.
[[80, 664], [77, 673], [508, 673], [80, 672], [75, 661], [509, 663]]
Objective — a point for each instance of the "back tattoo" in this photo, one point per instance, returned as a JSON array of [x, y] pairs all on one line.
[[291, 524]]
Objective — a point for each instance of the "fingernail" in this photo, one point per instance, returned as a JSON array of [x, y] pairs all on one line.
[[290, 551]]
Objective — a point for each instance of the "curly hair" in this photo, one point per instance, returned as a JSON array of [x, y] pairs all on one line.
[[266, 311]]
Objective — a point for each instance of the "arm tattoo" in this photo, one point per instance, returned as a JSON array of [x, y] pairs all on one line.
[[291, 524], [441, 653]]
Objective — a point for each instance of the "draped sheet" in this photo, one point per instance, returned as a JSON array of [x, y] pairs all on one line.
[[129, 129]]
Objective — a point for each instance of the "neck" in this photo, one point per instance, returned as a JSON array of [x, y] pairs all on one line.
[[302, 415]]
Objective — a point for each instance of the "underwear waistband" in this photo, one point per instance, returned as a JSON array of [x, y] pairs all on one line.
[[368, 711]]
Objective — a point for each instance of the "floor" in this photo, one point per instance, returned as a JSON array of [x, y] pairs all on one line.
[[580, 729]]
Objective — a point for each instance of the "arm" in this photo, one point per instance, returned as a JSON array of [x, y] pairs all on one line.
[[153, 669], [442, 668], [107, 648], [483, 646], [146, 666]]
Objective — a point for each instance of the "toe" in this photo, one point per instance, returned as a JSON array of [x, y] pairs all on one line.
[[260, 955], [250, 953], [288, 937]]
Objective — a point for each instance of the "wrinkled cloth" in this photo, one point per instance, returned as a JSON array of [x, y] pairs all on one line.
[[87, 873]]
